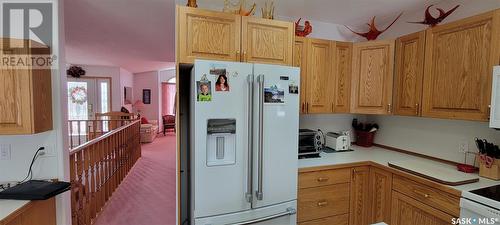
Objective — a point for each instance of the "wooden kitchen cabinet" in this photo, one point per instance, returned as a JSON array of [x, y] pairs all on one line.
[[380, 195], [459, 57], [267, 41], [372, 71], [360, 196], [408, 211], [342, 74], [204, 34], [409, 72], [34, 213], [25, 96], [319, 76], [300, 60], [333, 220], [324, 201]]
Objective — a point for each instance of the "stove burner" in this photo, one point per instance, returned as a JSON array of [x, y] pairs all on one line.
[[492, 192]]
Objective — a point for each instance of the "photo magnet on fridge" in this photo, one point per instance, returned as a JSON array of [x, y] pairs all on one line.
[[274, 95], [222, 83], [293, 88], [204, 89], [217, 69]]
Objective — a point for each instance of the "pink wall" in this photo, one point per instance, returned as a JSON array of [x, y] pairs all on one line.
[[148, 80]]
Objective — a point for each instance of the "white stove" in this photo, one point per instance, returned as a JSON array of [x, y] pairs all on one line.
[[481, 206]]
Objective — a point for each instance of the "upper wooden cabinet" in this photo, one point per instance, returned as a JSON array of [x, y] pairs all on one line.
[[315, 58], [300, 60], [360, 196], [372, 72], [380, 195], [342, 73], [266, 41], [25, 97], [204, 34], [459, 57], [409, 74], [319, 76]]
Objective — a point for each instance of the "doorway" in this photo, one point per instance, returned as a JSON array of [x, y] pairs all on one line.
[[87, 96]]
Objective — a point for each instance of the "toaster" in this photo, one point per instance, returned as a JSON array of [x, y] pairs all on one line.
[[340, 141]]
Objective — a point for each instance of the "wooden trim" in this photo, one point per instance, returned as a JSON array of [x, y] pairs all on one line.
[[416, 154], [432, 178], [338, 166]]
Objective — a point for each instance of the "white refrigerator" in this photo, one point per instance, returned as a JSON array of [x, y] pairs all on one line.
[[244, 143]]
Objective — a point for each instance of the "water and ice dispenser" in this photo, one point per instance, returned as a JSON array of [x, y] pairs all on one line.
[[221, 142]]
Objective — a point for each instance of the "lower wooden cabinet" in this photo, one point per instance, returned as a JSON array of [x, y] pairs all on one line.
[[324, 201], [360, 196], [380, 195], [369, 194], [333, 220], [34, 213], [408, 211]]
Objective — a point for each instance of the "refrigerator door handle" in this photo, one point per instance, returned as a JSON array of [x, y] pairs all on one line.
[[248, 194], [259, 193], [290, 211]]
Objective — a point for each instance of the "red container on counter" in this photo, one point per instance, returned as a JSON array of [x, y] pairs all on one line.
[[365, 138]]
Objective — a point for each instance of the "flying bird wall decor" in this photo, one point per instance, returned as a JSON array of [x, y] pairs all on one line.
[[432, 21], [374, 32]]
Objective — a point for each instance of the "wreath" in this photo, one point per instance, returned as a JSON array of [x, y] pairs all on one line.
[[78, 95]]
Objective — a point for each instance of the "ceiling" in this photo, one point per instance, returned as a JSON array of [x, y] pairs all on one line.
[[138, 35]]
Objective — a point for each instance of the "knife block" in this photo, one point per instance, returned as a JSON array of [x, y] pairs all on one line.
[[491, 173]]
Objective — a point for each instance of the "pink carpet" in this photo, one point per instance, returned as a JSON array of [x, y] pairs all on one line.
[[147, 195]]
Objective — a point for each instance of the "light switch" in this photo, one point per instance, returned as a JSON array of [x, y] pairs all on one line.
[[4, 152]]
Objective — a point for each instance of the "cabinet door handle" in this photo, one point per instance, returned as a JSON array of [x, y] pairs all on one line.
[[389, 108], [322, 203], [238, 55], [245, 56], [489, 112], [417, 109], [323, 179]]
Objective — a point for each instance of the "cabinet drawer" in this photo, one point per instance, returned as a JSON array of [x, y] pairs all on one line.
[[432, 196], [337, 220], [320, 202], [324, 177]]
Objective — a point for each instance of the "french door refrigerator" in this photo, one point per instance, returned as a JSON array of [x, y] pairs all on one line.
[[244, 142]]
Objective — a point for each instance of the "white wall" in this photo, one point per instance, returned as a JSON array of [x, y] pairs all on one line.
[[467, 8], [148, 80], [126, 80], [435, 137], [329, 122]]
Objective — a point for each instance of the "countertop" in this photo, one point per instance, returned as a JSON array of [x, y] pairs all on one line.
[[8, 207], [383, 157]]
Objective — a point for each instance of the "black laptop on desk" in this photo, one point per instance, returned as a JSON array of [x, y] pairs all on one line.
[[35, 190]]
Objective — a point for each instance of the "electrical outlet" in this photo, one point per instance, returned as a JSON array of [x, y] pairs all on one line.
[[463, 147], [5, 152]]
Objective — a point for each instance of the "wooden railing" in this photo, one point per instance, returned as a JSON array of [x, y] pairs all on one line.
[[82, 131], [98, 167]]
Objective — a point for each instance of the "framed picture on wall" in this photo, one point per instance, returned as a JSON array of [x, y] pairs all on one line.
[[146, 96]]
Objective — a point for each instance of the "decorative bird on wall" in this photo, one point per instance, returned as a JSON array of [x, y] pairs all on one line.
[[303, 31], [431, 21], [373, 33]]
